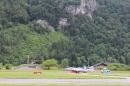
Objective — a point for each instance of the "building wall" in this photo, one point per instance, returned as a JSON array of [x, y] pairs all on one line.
[[100, 67], [30, 68]]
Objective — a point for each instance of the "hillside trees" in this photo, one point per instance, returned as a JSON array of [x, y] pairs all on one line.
[[104, 38], [13, 12], [64, 63]]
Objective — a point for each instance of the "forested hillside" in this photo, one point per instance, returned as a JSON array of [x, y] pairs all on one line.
[[72, 29]]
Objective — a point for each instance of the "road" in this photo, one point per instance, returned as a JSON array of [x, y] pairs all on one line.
[[65, 81]]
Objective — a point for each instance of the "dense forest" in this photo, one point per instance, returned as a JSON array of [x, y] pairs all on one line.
[[104, 37]]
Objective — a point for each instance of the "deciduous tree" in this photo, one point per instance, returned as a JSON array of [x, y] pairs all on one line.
[[50, 63], [64, 63]]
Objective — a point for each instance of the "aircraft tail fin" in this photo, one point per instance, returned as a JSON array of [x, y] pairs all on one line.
[[84, 67]]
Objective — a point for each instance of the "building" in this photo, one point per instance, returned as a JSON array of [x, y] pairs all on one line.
[[100, 66], [30, 67]]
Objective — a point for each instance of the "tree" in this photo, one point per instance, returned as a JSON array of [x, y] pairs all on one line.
[[83, 60], [111, 59], [49, 63], [64, 63], [1, 66], [78, 61]]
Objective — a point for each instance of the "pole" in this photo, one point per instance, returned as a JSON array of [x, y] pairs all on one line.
[[28, 59], [88, 62]]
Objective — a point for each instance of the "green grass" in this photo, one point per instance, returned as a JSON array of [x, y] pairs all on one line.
[[113, 73], [63, 75], [54, 74]]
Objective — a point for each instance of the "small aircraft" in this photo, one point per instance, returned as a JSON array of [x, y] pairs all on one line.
[[76, 70], [91, 69], [79, 70]]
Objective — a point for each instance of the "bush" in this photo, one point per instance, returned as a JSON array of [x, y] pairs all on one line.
[[50, 63], [1, 66], [118, 67], [8, 66]]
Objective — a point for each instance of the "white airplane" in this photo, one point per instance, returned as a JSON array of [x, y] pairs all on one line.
[[79, 70]]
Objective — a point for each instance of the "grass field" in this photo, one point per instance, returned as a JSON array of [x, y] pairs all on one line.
[[58, 74], [113, 73]]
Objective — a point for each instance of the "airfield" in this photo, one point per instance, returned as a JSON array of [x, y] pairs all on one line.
[[65, 81], [63, 77]]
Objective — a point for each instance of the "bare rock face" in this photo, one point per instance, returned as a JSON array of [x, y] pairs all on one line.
[[45, 24], [62, 22], [92, 5], [85, 8], [77, 9]]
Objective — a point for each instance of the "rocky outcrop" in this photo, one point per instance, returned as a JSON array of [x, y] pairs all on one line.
[[62, 22], [92, 5], [86, 7], [45, 24], [77, 9]]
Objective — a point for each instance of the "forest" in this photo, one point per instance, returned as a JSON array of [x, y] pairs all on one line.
[[103, 38]]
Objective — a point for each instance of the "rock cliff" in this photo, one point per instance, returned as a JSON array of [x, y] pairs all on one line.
[[45, 24], [86, 7]]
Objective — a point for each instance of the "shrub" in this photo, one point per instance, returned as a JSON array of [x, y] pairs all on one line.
[[50, 63], [8, 66], [118, 67], [1, 66]]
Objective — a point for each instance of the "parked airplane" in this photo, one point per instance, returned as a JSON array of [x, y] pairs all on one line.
[[79, 70], [91, 69]]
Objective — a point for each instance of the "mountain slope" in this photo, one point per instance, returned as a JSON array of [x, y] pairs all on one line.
[[82, 29]]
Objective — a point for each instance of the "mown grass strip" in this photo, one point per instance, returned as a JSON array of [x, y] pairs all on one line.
[[51, 74]]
